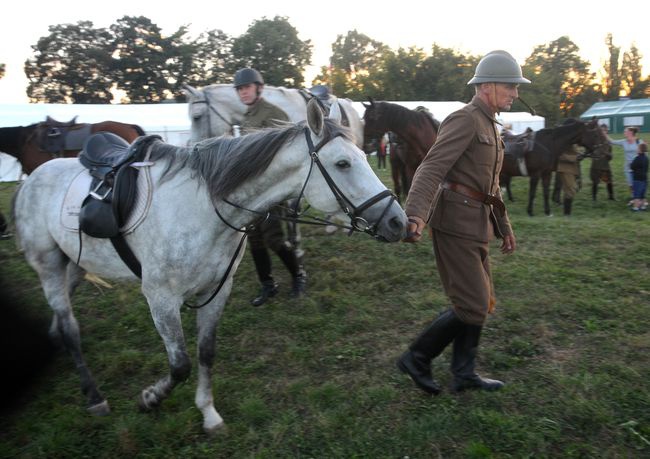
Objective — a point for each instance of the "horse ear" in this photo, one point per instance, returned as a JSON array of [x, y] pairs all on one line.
[[315, 117], [189, 90], [335, 112], [372, 101]]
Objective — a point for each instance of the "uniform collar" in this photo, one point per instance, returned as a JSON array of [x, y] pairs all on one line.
[[483, 107]]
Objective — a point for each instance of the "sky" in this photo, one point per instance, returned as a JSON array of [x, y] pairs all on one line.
[[468, 26]]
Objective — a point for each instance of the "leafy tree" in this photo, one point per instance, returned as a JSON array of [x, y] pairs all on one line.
[[210, 57], [612, 87], [355, 65], [631, 74], [71, 65], [399, 72], [145, 64], [444, 75], [559, 76], [2, 71], [272, 46]]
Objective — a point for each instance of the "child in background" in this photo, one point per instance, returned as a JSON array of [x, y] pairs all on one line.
[[639, 167]]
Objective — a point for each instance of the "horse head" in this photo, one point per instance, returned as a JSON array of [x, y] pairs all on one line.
[[209, 116], [373, 126], [356, 192]]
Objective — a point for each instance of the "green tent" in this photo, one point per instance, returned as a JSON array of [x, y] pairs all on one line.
[[618, 114]]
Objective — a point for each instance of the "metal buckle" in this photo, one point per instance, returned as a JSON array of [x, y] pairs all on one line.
[[94, 192]]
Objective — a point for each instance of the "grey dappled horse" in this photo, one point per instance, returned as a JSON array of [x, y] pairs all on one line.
[[235, 176]]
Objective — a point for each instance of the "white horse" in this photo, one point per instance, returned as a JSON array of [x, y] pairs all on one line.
[[215, 109], [240, 178]]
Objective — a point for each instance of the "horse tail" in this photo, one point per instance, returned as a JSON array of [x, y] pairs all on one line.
[[139, 130]]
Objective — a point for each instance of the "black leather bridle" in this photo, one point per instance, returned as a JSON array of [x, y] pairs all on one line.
[[357, 222], [211, 108]]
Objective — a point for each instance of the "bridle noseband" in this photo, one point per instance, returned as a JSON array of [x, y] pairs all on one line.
[[216, 112]]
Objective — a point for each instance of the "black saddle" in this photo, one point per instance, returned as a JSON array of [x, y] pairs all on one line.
[[113, 190], [520, 144]]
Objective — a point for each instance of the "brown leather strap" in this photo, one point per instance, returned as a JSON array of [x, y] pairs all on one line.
[[476, 195]]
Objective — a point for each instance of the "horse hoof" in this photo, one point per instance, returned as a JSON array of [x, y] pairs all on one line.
[[218, 430], [148, 400], [100, 409]]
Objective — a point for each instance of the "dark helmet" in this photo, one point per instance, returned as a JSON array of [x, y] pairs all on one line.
[[498, 67], [247, 76]]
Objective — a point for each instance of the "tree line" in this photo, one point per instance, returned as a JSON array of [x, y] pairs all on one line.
[[79, 63]]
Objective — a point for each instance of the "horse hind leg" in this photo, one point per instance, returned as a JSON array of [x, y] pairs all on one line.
[[52, 269]]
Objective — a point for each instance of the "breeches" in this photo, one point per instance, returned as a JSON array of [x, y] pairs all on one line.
[[601, 175], [464, 268], [269, 234], [568, 184]]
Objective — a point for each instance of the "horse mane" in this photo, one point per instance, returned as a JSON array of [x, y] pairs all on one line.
[[225, 163], [400, 117]]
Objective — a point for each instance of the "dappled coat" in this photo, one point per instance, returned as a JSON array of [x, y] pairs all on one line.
[[468, 151]]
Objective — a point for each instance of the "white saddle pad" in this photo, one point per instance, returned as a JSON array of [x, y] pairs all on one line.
[[79, 188]]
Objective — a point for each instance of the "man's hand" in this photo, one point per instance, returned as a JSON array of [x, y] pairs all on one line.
[[509, 244], [414, 229]]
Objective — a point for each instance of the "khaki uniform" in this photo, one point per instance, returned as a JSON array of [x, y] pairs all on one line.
[[568, 170], [262, 114], [600, 169], [468, 151]]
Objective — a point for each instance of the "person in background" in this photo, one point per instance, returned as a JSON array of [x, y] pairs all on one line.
[[600, 169], [629, 144], [456, 191], [567, 173], [249, 85], [639, 167]]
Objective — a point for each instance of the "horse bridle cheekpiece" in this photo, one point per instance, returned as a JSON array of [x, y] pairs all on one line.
[[357, 222]]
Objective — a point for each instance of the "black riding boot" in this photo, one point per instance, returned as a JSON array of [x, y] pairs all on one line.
[[463, 362], [594, 191], [298, 274], [263, 266], [416, 362], [567, 206], [610, 191]]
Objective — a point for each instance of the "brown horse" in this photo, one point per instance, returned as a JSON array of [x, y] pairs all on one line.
[[37, 143], [540, 160], [416, 129]]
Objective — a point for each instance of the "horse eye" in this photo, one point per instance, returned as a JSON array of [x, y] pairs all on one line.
[[343, 164]]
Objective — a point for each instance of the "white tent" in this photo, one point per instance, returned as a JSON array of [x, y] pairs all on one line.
[[169, 120]]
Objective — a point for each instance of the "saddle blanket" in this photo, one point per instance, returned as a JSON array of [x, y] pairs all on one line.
[[78, 191]]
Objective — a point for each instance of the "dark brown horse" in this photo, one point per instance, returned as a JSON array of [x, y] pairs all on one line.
[[540, 160], [416, 129], [37, 143]]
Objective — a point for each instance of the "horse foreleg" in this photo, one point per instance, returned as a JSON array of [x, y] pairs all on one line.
[[546, 188], [206, 320], [51, 268], [167, 319], [531, 193]]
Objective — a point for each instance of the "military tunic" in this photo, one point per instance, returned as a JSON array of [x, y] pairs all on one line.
[[262, 114], [468, 151]]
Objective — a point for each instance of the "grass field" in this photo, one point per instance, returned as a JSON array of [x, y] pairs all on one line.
[[316, 378]]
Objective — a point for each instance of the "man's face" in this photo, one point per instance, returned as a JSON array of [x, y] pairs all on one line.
[[247, 93], [505, 94]]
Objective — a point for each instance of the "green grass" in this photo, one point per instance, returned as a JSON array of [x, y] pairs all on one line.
[[316, 378]]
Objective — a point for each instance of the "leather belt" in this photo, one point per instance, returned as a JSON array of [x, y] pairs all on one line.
[[476, 195]]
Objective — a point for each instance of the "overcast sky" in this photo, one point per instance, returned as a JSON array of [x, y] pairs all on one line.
[[468, 26]]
